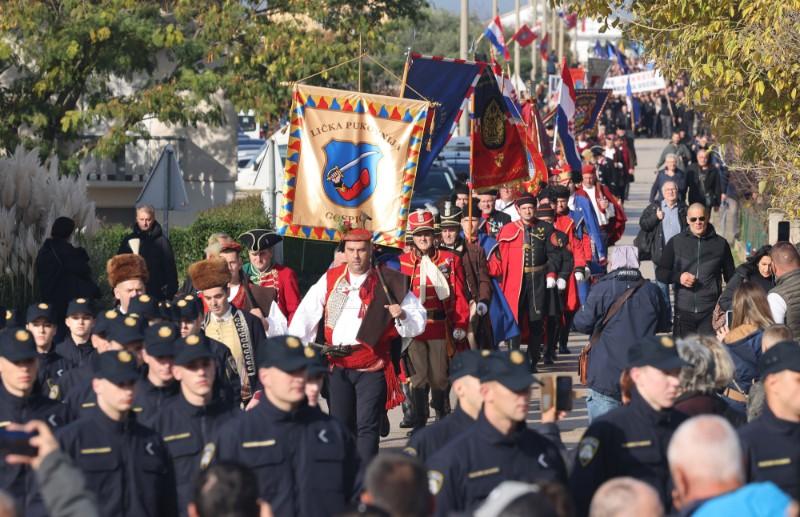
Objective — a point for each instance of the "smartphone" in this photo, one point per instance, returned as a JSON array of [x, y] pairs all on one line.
[[557, 390], [16, 442], [729, 319]]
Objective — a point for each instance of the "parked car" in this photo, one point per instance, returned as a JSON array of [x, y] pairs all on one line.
[[456, 154], [247, 149], [435, 188]]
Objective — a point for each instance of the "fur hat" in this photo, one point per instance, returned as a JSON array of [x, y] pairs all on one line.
[[210, 273], [126, 267]]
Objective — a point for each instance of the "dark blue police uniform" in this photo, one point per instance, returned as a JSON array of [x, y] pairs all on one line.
[[463, 473], [125, 464], [630, 440], [74, 353], [771, 444], [18, 480], [305, 461]]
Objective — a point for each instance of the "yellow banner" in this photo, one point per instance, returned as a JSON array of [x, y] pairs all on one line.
[[350, 154]]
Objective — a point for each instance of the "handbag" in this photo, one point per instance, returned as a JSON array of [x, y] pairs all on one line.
[[644, 243], [583, 359]]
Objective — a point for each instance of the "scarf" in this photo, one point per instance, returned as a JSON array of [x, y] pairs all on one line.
[[429, 273]]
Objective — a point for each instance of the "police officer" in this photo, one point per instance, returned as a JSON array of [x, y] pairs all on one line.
[[465, 381], [632, 440], [41, 324], [772, 441], [146, 307], [19, 403], [498, 446], [76, 347], [125, 464], [124, 333], [305, 461], [194, 417], [159, 386]]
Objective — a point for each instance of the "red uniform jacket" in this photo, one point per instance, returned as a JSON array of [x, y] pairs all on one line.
[[284, 280], [508, 267], [455, 308], [581, 250], [616, 225]]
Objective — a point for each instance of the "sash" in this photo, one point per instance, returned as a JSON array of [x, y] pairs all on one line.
[[240, 324]]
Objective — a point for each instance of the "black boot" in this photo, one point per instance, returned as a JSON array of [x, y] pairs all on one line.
[[534, 351], [385, 427], [440, 402], [420, 405], [408, 407]]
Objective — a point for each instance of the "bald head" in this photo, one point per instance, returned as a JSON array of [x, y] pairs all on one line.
[[697, 218], [625, 497], [785, 258], [705, 459]]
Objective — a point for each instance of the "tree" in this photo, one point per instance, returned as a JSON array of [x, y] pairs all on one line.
[[70, 67], [743, 60]]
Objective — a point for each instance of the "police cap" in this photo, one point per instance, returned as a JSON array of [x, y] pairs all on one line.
[[17, 344], [116, 366], [159, 339], [80, 306], [284, 353], [40, 311], [656, 351], [144, 306], [125, 330], [466, 363], [191, 348], [781, 356], [511, 369]]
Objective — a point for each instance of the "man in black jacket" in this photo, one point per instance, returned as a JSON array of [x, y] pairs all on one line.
[[703, 182], [148, 240], [695, 262]]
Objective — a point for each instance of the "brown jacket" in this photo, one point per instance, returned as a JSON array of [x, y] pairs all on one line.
[[476, 274]]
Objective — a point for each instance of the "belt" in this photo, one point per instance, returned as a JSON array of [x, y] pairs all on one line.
[[534, 269], [437, 315], [734, 394], [340, 350]]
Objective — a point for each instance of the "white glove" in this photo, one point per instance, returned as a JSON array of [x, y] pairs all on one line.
[[550, 283], [481, 309], [579, 276], [561, 283], [459, 334]]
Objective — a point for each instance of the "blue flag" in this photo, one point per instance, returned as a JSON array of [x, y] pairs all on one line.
[[598, 49], [447, 82]]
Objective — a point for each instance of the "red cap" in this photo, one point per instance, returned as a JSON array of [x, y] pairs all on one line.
[[588, 169], [420, 221], [354, 234]]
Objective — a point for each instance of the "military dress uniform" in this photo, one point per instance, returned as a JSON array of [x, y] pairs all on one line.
[[186, 428], [462, 474], [278, 277], [19, 481], [630, 440], [772, 444], [125, 464], [528, 261], [305, 462], [427, 441]]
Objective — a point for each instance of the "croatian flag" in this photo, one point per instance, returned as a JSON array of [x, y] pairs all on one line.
[[494, 33], [565, 118], [524, 36]]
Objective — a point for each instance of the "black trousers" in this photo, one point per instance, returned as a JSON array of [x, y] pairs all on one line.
[[357, 399], [687, 323]]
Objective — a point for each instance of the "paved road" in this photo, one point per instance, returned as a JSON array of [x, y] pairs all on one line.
[[574, 425]]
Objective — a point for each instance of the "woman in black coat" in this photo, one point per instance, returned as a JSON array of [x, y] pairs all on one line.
[[756, 269], [62, 270]]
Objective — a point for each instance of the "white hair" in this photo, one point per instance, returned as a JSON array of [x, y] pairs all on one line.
[[707, 449], [624, 497]]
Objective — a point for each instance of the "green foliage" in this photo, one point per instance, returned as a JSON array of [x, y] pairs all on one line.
[[188, 242], [743, 58], [73, 67]]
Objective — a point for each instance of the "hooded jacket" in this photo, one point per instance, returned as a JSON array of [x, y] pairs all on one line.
[[708, 257]]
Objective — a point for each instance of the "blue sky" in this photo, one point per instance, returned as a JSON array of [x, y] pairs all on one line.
[[482, 8]]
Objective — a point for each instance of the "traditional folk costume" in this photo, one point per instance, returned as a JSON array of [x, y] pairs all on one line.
[[527, 260], [612, 220], [278, 277], [126, 266], [359, 330], [437, 279], [238, 330]]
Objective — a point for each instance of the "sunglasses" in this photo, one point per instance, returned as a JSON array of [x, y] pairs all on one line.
[[695, 219]]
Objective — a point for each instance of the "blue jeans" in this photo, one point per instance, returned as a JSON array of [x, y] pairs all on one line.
[[598, 404], [664, 288]]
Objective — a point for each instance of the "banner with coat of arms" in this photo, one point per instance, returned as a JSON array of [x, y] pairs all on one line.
[[350, 156]]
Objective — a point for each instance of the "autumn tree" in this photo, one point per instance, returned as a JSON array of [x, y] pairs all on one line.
[[70, 68], [743, 61]]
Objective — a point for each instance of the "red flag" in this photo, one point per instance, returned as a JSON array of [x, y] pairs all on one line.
[[524, 36], [571, 20], [536, 140], [498, 147], [543, 46]]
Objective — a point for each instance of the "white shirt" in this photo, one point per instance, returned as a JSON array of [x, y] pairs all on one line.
[[778, 307], [507, 207], [306, 319], [601, 216], [276, 321]]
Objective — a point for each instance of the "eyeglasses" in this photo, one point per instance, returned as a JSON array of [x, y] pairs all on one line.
[[695, 219]]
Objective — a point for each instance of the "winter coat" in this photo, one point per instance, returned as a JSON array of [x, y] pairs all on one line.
[[644, 314], [707, 257], [63, 274], [704, 185], [746, 272], [155, 249], [744, 345], [649, 222], [679, 177]]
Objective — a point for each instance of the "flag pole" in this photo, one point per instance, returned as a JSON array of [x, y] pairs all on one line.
[[471, 166], [555, 119], [405, 72]]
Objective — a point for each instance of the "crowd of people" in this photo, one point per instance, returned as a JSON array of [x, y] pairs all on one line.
[[205, 397]]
